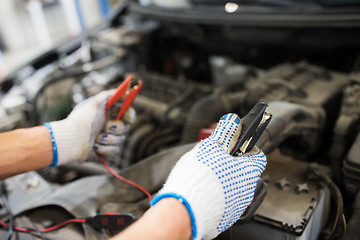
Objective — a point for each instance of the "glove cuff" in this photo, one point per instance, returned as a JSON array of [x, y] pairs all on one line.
[[187, 206], [188, 179], [54, 146]]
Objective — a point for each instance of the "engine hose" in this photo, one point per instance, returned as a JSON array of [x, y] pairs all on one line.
[[291, 119], [209, 110]]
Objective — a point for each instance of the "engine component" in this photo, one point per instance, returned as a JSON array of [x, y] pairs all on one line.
[[178, 95], [303, 123], [346, 128], [12, 112], [298, 83], [353, 232], [298, 211], [351, 168], [295, 83], [162, 106], [227, 72]]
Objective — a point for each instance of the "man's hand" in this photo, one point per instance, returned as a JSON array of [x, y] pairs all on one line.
[[110, 141], [214, 186], [87, 130]]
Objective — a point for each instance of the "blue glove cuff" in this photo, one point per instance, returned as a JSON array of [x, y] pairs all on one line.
[[186, 204], [55, 151]]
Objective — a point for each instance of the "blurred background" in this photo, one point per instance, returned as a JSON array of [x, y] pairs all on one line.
[[30, 27]]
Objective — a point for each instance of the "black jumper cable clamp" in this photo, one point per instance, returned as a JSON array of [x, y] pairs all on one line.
[[253, 125]]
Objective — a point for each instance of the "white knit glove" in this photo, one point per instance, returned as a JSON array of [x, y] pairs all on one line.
[[214, 186], [74, 137]]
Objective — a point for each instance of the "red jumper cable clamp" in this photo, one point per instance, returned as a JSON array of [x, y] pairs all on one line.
[[128, 94]]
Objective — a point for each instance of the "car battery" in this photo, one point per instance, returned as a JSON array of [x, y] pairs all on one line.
[[295, 207], [351, 167]]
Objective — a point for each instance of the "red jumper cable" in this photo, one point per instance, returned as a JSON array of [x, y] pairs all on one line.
[[128, 95]]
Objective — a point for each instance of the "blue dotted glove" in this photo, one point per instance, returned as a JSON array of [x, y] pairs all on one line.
[[214, 186]]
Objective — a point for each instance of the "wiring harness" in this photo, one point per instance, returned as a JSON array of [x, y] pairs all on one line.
[[106, 220]]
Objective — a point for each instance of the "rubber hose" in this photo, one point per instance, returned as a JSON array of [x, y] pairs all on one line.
[[209, 110]]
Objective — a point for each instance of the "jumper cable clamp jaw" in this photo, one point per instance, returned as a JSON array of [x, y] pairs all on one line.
[[253, 125], [126, 93]]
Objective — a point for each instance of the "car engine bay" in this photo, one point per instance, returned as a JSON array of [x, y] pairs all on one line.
[[193, 74]]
